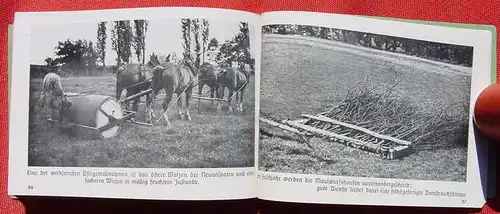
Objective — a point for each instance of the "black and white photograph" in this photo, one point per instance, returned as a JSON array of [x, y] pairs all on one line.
[[157, 93], [339, 102]]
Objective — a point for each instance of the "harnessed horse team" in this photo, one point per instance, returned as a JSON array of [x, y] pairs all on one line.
[[174, 78], [179, 78]]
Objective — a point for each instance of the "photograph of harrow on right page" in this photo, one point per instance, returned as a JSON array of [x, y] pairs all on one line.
[[357, 110]]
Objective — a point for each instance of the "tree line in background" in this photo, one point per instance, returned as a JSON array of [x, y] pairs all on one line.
[[449, 53], [82, 57], [195, 35], [128, 38]]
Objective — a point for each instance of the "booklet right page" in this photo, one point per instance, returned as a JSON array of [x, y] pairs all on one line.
[[356, 110]]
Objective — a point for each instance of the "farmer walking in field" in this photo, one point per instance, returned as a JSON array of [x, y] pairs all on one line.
[[53, 96]]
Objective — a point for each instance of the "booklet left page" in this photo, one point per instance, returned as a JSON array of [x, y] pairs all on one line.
[[73, 133]]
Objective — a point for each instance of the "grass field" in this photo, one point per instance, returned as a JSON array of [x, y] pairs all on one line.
[[310, 75], [211, 140]]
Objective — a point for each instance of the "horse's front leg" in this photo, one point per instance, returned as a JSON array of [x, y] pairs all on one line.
[[148, 97], [188, 97], [118, 93], [150, 106], [166, 102], [242, 92], [212, 91], [127, 103], [179, 106], [118, 96], [200, 88], [220, 95], [238, 101], [231, 92]]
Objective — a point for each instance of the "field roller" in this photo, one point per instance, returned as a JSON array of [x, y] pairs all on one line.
[[98, 113]]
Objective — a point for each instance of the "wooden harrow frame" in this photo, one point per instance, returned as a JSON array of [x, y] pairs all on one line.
[[386, 147]]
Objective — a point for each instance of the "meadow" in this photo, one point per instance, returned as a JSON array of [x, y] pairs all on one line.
[[211, 140], [309, 76]]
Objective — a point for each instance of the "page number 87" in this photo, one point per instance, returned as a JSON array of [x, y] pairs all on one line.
[[464, 201]]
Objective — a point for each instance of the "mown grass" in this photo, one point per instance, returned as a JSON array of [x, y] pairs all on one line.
[[211, 140], [311, 77]]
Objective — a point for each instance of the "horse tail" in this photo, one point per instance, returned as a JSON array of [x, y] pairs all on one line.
[[157, 75], [246, 77]]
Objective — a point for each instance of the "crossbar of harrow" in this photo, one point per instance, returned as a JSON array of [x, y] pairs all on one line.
[[350, 135]]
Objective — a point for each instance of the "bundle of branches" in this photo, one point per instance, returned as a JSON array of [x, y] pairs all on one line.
[[383, 112]]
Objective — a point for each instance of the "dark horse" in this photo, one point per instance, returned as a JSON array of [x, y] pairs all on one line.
[[135, 78], [208, 76], [173, 78], [235, 80]]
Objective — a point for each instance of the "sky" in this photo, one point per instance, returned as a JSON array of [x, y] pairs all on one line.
[[163, 37]]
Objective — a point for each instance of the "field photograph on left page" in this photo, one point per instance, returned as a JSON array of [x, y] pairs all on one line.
[[160, 101]]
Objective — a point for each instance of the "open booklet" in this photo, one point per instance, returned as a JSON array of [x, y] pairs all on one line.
[[305, 107]]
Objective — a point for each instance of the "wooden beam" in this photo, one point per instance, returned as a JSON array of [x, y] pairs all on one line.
[[138, 95], [138, 123], [72, 94], [207, 98], [81, 126], [282, 126], [361, 129], [116, 122], [301, 120], [321, 132]]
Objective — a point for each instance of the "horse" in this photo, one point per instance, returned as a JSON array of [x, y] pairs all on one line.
[[135, 78], [175, 78], [235, 80], [208, 75]]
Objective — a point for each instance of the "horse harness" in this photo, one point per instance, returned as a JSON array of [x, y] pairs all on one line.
[[141, 73]]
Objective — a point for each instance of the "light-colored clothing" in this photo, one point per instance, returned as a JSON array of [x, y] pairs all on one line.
[[54, 98], [51, 91]]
